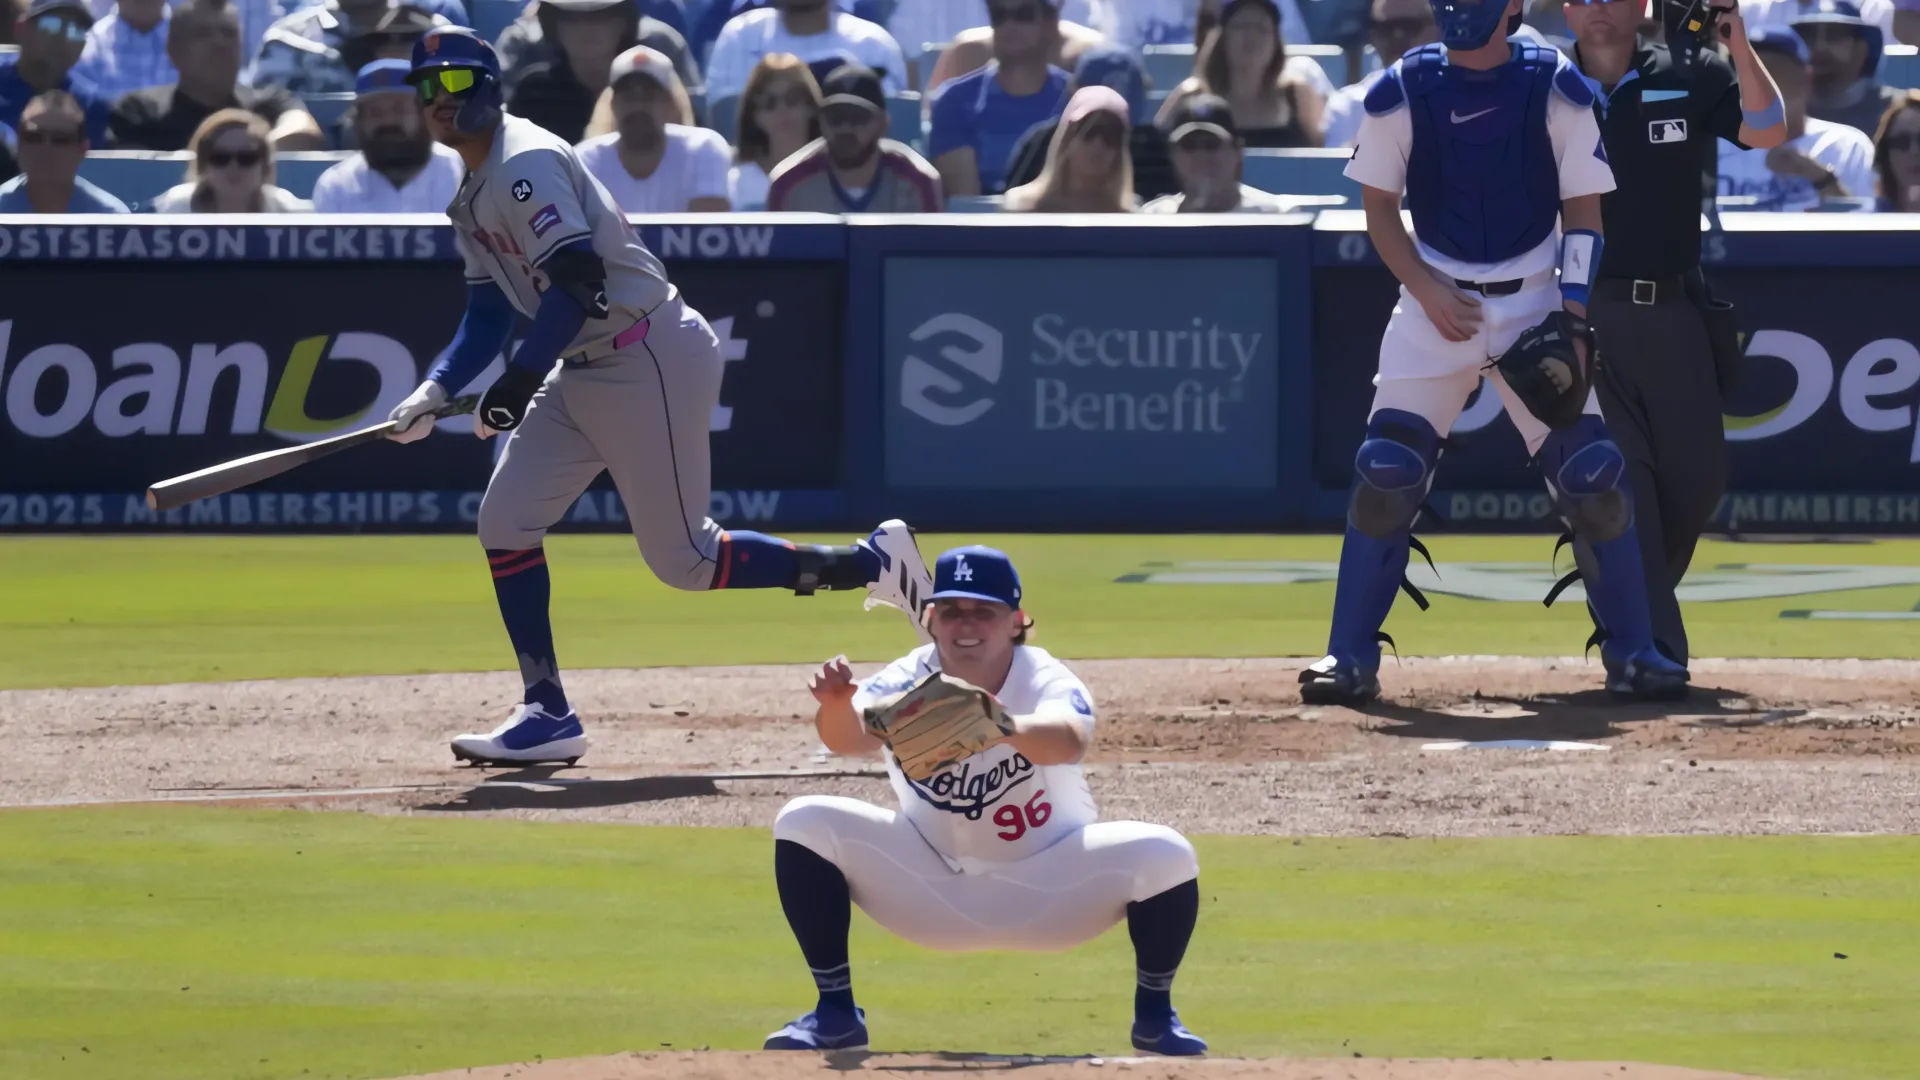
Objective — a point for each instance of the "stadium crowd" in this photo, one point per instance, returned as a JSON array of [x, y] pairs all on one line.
[[719, 105]]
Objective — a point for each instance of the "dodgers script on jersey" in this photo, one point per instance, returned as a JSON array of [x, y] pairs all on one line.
[[528, 198], [996, 806]]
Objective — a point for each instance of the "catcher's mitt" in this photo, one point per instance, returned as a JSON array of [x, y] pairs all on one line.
[[1546, 371], [936, 722]]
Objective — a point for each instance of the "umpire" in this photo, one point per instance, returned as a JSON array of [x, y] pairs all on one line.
[[1668, 352]]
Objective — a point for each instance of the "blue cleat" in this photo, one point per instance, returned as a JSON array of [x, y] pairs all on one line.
[[530, 736], [1166, 1036], [1645, 676], [1337, 681], [825, 1028]]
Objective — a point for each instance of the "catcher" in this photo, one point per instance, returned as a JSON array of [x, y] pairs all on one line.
[[1494, 148], [996, 844]]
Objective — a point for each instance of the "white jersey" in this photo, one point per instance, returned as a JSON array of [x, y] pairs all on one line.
[[1385, 142], [693, 165], [1846, 151], [995, 807], [749, 37], [354, 187], [528, 198]]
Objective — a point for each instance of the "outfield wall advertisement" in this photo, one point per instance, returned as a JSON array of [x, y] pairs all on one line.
[[195, 367]]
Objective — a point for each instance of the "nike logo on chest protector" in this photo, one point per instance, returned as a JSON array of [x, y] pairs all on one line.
[[1458, 119]]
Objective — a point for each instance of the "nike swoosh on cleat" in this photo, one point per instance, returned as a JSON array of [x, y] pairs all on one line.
[[1458, 119]]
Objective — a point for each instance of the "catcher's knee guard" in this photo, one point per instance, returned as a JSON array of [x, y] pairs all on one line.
[[1587, 475], [1392, 473]]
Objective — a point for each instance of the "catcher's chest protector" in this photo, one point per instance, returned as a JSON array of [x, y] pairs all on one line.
[[1482, 182]]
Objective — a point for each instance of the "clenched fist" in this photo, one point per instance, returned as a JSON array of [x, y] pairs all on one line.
[[415, 414]]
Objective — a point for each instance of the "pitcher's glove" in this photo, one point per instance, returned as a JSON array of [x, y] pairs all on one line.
[[937, 722], [1550, 369]]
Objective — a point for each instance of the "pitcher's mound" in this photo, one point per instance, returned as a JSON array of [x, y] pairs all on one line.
[[789, 1065]]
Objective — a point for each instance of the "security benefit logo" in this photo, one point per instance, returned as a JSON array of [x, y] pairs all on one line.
[[1058, 373]]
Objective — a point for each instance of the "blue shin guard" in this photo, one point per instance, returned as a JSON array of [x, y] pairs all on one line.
[[1587, 476], [1392, 473]]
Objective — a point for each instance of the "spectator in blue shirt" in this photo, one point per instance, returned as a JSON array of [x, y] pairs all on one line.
[[51, 35], [978, 118], [53, 140]]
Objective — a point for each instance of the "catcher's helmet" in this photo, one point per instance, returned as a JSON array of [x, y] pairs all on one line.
[[1469, 24], [460, 47]]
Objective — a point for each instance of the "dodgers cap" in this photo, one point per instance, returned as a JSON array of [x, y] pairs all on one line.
[[976, 572]]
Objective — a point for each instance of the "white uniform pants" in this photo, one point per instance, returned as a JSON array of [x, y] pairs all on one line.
[[1069, 893], [1431, 377]]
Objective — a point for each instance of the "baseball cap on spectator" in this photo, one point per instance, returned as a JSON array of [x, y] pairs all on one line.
[[823, 67], [77, 8], [1208, 113], [641, 60], [1228, 9], [1845, 13], [1117, 68], [383, 77], [853, 84], [976, 572], [1089, 100], [1779, 39]]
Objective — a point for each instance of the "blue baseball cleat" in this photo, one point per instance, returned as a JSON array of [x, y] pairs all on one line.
[[825, 1028], [1166, 1036], [1645, 676], [1336, 681], [530, 736]]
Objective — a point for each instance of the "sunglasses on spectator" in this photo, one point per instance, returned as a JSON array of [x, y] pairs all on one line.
[[793, 98], [61, 26], [1025, 13], [246, 159], [33, 137], [1897, 143], [846, 116], [452, 81], [1103, 129], [1200, 142]]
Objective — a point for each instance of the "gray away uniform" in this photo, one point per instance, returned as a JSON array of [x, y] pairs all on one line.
[[632, 394]]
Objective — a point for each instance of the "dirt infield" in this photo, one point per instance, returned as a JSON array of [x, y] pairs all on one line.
[[1204, 745], [788, 1066]]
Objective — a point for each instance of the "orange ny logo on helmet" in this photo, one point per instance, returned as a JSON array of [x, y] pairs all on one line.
[[432, 43]]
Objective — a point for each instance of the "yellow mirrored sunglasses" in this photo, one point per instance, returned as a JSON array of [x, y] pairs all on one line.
[[449, 80]]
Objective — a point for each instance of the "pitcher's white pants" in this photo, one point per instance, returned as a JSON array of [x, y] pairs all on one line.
[[1069, 893], [1431, 377]]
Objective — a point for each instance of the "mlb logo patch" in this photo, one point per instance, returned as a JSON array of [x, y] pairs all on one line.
[[543, 220], [1666, 131]]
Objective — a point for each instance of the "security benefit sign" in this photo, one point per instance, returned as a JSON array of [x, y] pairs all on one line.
[[1071, 373]]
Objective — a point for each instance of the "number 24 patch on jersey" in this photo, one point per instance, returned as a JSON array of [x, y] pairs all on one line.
[[522, 190]]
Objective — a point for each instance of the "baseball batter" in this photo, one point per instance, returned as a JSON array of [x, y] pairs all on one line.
[[1002, 849], [637, 376], [1494, 144]]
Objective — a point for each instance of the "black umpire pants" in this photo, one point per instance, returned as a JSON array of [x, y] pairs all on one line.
[[1661, 401]]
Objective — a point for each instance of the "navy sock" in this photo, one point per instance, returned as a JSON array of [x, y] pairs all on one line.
[[521, 585], [813, 892], [751, 560], [1160, 926]]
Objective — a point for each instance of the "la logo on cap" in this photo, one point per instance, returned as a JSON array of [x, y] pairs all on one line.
[[961, 571]]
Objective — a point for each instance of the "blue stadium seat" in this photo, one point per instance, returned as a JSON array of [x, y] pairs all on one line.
[[1301, 172], [723, 115], [1900, 66], [139, 176], [492, 16], [1167, 65], [904, 123], [329, 111]]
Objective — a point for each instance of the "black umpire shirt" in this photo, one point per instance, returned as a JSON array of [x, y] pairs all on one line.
[[1661, 126]]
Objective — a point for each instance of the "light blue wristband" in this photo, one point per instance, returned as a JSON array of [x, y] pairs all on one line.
[[1770, 116]]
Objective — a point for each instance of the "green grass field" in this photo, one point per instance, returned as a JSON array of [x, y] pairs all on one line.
[[188, 943], [174, 609], [212, 943]]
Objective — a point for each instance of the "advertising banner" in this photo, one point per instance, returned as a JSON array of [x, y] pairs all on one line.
[[1822, 428], [1073, 373], [189, 369]]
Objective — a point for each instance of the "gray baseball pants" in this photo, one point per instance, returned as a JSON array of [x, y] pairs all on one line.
[[641, 414]]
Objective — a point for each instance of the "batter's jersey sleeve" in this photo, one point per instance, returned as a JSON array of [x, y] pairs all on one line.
[[1381, 150], [1577, 147], [538, 191]]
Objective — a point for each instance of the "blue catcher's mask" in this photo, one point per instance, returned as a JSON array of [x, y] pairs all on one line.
[[1468, 24]]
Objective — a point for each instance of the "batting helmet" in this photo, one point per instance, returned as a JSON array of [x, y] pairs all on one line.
[[460, 47]]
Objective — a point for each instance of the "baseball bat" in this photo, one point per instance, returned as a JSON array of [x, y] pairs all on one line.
[[233, 475]]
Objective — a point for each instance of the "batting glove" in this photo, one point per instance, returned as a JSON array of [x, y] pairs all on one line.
[[415, 415], [506, 401]]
